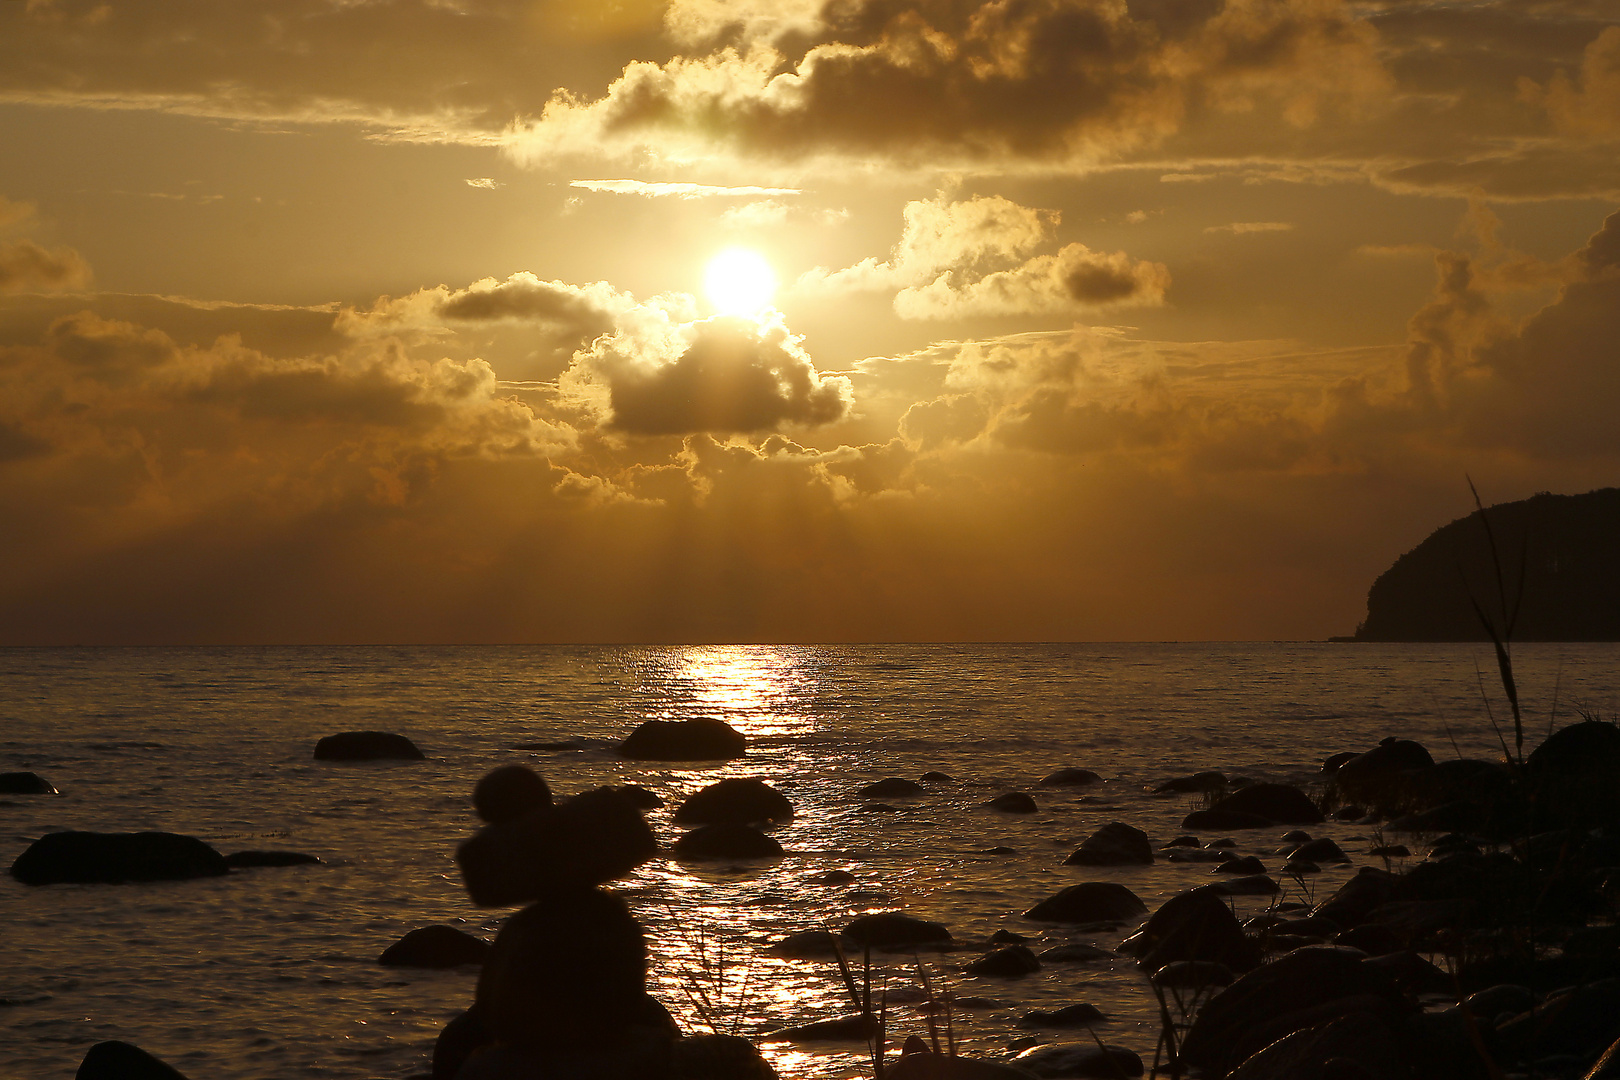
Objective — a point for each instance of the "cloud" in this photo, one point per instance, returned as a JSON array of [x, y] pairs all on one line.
[[27, 267], [984, 86], [1593, 106], [655, 190], [487, 183], [576, 312], [1075, 278], [719, 375], [1243, 228]]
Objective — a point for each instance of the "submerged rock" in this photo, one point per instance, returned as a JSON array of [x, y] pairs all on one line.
[[113, 858], [1282, 803], [116, 1060], [1070, 777], [891, 928], [736, 800], [1194, 784], [436, 946], [856, 1028], [702, 738], [892, 787], [1013, 802], [1115, 844], [1009, 963], [25, 783], [1077, 1015], [1089, 902], [367, 746], [728, 840], [718, 1057]]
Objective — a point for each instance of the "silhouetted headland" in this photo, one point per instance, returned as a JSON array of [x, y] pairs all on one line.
[[1566, 547]]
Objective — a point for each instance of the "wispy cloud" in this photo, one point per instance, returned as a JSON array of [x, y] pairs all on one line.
[[488, 183], [656, 190], [1240, 228]]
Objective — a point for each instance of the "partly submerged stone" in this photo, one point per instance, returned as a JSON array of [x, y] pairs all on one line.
[[718, 1057], [701, 738], [1194, 925], [436, 946], [1089, 902], [1070, 777], [117, 1060], [1189, 785], [590, 839], [1282, 803], [727, 840], [1080, 1060], [25, 783], [367, 746], [889, 929], [892, 787], [1115, 844], [1010, 963], [737, 800], [112, 858], [1081, 1014], [1013, 802]]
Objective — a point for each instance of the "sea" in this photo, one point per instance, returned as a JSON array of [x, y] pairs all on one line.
[[272, 973]]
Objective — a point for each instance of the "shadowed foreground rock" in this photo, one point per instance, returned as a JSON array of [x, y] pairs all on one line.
[[113, 858], [1195, 925], [367, 746], [589, 839], [114, 1060], [700, 739]]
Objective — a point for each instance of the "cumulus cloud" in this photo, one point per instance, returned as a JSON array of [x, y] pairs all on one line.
[[1075, 278], [27, 267], [718, 375], [1591, 106]]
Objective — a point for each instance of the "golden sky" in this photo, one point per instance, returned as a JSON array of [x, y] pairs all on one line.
[[400, 320]]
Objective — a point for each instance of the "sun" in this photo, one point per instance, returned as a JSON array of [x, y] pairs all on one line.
[[739, 282]]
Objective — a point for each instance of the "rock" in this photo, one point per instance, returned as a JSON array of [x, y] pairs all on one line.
[[1358, 896], [1321, 850], [1197, 855], [1361, 1042], [1581, 1021], [1009, 963], [1389, 851], [718, 1057], [1332, 764], [1193, 975], [1013, 802], [1282, 803], [640, 796], [456, 1042], [115, 1060], [113, 858], [508, 792], [1195, 925], [1089, 902], [1591, 746], [890, 928], [1363, 777], [893, 787], [367, 746], [1298, 990], [1070, 777], [1299, 867], [241, 860], [1196, 783], [1080, 1059], [936, 777], [436, 946], [1296, 836], [27, 783], [1463, 815], [879, 808], [1182, 842], [926, 1065], [1241, 864], [1075, 954], [1222, 820], [569, 970], [1077, 1015], [702, 738], [834, 877], [1248, 885], [1502, 998], [1007, 937], [856, 1028], [590, 839], [727, 841], [805, 945], [635, 1051], [737, 800], [1115, 844]]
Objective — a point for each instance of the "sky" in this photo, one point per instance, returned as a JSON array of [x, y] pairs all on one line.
[[328, 321]]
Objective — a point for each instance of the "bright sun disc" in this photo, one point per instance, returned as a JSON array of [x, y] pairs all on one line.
[[739, 282]]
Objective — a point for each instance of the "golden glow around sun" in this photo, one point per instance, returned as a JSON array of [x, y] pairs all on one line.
[[739, 282]]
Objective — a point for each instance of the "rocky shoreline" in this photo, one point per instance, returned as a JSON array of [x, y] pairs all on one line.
[[1496, 955]]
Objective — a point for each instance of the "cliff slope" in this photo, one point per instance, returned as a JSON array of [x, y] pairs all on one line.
[[1570, 547]]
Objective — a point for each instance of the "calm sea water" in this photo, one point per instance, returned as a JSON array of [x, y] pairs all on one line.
[[271, 974]]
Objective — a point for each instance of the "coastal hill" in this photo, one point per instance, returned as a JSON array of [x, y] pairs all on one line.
[[1568, 547]]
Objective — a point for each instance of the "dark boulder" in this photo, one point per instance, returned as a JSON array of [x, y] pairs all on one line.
[[1357, 897], [1075, 954], [1010, 963], [1089, 902], [1580, 1021], [643, 798], [1299, 990], [1081, 1014], [934, 776], [241, 860], [1080, 1060], [726, 841], [892, 787], [857, 1028], [1197, 783], [456, 1042], [1193, 975], [1070, 778], [367, 746], [115, 1060], [1221, 820], [805, 945], [1013, 802], [436, 946], [1115, 844], [1241, 864], [112, 858], [1331, 765], [1247, 885], [737, 800], [569, 971], [891, 929], [1355, 1045], [26, 783], [590, 839], [718, 1057], [1320, 850], [702, 738], [1583, 749], [1194, 925], [1282, 803], [509, 792]]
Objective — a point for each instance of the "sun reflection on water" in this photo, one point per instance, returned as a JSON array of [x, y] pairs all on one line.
[[762, 691]]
